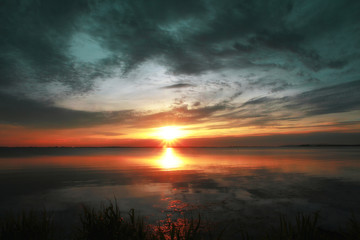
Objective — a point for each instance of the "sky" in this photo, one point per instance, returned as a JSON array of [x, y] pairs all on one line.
[[225, 73]]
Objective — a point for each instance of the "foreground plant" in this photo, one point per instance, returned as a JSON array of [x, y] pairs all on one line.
[[306, 228], [28, 225], [108, 223], [183, 229], [352, 229]]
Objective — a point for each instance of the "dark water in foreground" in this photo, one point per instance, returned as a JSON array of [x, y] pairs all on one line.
[[246, 186]]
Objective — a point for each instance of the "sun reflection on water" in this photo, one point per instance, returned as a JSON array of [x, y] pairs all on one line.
[[169, 160]]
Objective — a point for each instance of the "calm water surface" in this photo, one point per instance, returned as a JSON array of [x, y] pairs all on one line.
[[250, 185]]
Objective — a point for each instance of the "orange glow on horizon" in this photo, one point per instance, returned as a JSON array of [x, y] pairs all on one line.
[[191, 135]]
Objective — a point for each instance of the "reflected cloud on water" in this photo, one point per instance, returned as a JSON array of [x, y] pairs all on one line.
[[239, 184]]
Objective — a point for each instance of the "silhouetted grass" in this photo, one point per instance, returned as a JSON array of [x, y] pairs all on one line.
[[352, 230], [182, 229], [108, 223], [27, 225], [305, 228]]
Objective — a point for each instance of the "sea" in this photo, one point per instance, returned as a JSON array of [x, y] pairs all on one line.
[[232, 187]]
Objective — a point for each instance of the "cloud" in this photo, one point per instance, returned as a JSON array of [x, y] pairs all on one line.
[[30, 113], [180, 115], [276, 139], [179, 85], [274, 49], [35, 42], [334, 99], [340, 98], [192, 37], [255, 112], [109, 134]]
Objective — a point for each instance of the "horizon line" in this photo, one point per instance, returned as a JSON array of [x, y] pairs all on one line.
[[250, 146]]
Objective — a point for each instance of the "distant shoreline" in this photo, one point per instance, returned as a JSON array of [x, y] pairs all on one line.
[[281, 146]]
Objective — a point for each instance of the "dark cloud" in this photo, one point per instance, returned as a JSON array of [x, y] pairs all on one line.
[[337, 64], [35, 40], [259, 111], [191, 36], [179, 85], [315, 41], [257, 101], [196, 104], [275, 85], [18, 111], [179, 115], [242, 47], [36, 114], [335, 138], [334, 99], [110, 134]]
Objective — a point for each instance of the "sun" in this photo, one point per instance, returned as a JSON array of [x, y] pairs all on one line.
[[169, 133]]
